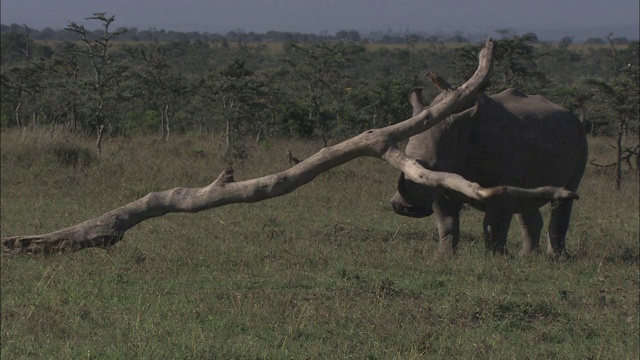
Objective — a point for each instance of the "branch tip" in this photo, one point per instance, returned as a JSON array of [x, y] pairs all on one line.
[[225, 177]]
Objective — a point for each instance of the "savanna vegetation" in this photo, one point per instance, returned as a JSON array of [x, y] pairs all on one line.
[[225, 85], [327, 271]]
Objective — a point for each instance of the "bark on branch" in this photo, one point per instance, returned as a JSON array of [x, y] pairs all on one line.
[[109, 228]]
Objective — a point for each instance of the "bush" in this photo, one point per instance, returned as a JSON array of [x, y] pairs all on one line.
[[72, 155]]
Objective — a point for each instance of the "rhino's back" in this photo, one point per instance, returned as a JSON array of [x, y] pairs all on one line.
[[521, 140]]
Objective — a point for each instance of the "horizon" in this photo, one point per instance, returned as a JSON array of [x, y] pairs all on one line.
[[548, 19]]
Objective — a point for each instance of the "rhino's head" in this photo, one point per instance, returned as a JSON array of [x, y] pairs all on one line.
[[413, 199], [435, 149]]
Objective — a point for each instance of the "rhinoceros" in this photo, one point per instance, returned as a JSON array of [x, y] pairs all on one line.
[[506, 139]]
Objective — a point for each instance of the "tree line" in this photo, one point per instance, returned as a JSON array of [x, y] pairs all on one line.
[[90, 81], [134, 34]]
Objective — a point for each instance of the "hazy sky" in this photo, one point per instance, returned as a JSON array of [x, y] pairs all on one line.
[[316, 16]]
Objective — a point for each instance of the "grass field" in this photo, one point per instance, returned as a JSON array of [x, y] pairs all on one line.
[[328, 271]]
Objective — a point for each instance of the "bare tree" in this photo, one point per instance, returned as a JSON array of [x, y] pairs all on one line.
[[109, 228], [97, 53], [26, 50]]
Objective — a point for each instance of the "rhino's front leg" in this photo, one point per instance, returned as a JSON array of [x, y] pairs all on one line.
[[447, 215]]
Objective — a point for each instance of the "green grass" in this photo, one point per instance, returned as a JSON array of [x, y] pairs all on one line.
[[328, 271]]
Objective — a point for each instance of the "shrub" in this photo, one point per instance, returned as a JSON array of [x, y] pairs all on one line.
[[72, 155]]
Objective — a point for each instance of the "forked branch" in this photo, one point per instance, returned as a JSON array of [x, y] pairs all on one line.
[[109, 228]]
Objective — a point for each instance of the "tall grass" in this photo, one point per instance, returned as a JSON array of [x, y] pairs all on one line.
[[325, 272]]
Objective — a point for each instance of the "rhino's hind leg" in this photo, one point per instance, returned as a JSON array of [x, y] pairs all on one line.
[[558, 226], [531, 225], [496, 227]]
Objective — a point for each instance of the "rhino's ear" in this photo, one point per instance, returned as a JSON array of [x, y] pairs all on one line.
[[415, 98]]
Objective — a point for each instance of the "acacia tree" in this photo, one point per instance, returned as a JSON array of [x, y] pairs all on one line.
[[619, 99], [318, 67], [162, 84], [67, 66], [52, 102], [240, 94], [20, 85], [36, 90]]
